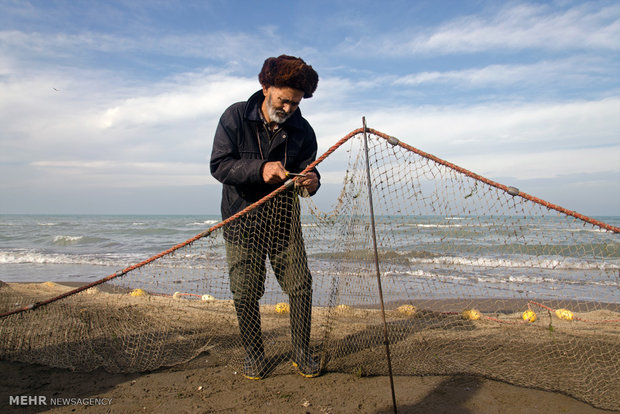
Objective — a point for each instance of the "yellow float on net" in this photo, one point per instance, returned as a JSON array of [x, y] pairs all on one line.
[[207, 298], [529, 316], [564, 314], [343, 308], [176, 295], [283, 307], [471, 314], [138, 292], [408, 310]]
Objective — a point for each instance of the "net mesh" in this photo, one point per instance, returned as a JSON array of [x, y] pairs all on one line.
[[477, 279]]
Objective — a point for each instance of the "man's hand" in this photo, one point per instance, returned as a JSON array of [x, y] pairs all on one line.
[[310, 182], [273, 172]]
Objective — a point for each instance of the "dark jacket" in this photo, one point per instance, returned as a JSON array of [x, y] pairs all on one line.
[[241, 147]]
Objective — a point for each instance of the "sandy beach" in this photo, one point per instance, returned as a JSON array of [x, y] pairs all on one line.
[[209, 381], [205, 385]]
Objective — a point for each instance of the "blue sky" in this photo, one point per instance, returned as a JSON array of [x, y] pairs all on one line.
[[110, 106]]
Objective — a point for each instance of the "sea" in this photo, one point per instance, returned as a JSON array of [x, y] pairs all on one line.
[[86, 248]]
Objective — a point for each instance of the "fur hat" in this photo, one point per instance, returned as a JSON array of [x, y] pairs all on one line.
[[289, 71]]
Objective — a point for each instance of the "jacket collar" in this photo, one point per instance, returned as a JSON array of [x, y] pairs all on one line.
[[253, 107]]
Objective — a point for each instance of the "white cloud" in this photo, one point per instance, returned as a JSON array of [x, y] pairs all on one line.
[[525, 26], [55, 116], [204, 96], [104, 174], [68, 122], [532, 140], [505, 124], [573, 70], [544, 164], [515, 27], [215, 46], [173, 121]]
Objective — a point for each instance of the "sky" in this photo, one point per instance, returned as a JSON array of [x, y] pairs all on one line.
[[110, 107]]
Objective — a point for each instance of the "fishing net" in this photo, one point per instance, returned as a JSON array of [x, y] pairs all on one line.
[[477, 278]]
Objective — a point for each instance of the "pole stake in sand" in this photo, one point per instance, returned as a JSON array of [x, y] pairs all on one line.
[[374, 243]]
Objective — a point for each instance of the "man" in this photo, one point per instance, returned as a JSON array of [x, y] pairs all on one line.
[[258, 145]]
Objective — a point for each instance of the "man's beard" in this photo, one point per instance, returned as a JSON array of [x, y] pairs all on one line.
[[276, 115]]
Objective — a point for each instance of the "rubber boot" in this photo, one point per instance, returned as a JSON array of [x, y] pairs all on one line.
[[248, 316], [301, 317]]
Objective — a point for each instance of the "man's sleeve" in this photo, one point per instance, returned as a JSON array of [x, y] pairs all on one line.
[[226, 163], [309, 154]]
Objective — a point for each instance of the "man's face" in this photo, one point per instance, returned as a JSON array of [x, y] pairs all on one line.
[[281, 103]]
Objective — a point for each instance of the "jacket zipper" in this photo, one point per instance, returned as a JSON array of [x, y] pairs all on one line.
[[276, 135]]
